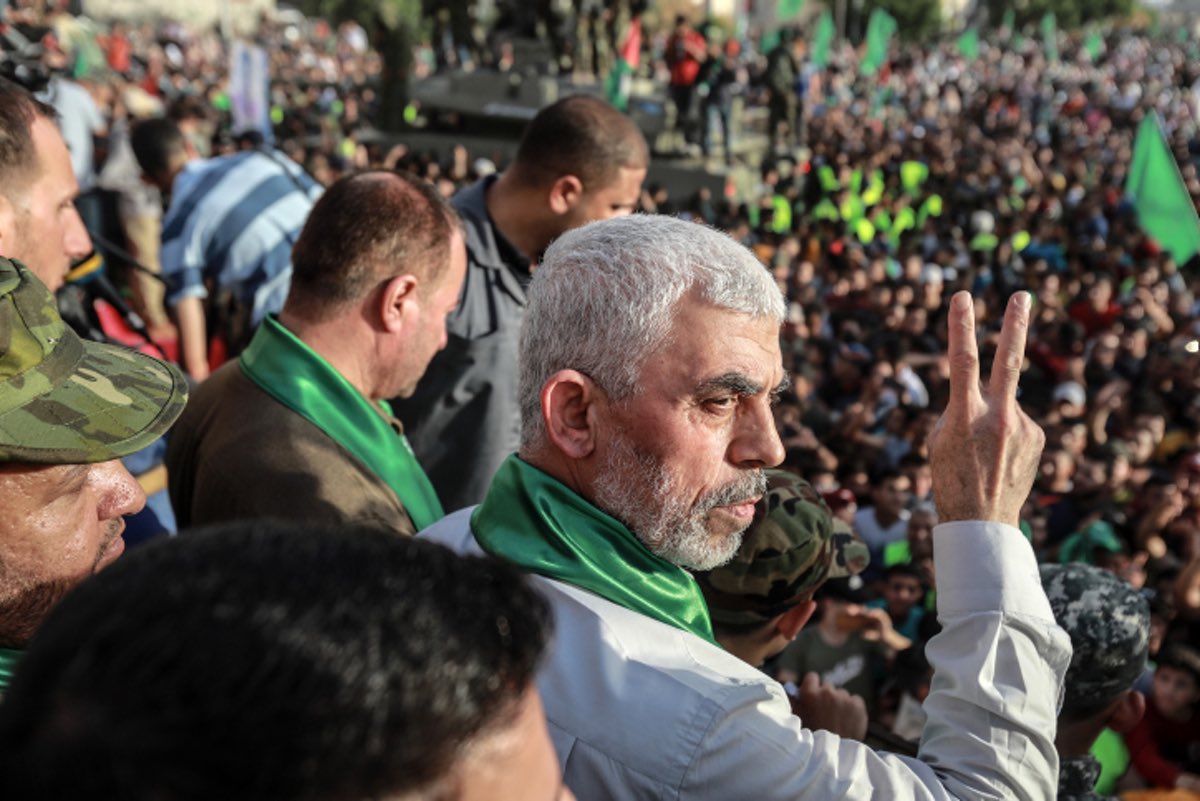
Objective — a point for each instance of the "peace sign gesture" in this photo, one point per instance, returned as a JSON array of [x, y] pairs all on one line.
[[984, 449]]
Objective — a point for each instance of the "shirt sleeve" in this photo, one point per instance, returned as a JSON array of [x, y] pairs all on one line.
[[183, 263], [998, 663]]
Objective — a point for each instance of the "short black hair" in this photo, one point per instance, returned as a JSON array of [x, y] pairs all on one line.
[[1181, 657], [581, 136], [906, 569], [155, 143], [260, 660], [18, 156], [366, 228]]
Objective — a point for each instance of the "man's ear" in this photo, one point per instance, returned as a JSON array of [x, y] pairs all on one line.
[[790, 622], [569, 410], [396, 302], [1128, 712], [565, 193]]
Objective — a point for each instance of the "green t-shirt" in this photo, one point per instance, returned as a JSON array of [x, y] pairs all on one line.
[[1110, 751], [856, 666]]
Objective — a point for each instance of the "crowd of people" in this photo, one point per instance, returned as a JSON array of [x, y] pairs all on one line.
[[394, 326]]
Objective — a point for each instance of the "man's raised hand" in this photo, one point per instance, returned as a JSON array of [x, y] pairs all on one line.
[[985, 450]]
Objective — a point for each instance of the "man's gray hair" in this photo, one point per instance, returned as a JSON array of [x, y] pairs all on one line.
[[604, 299]]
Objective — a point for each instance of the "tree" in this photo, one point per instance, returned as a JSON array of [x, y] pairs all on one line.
[[392, 26], [1070, 14], [916, 20]]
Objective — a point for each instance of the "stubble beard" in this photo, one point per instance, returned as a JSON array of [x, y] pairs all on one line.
[[26, 602], [636, 488]]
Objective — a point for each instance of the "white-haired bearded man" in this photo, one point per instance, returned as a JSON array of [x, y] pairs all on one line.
[[649, 362]]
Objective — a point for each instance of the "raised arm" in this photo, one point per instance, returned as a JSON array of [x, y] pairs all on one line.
[[999, 661], [984, 449]]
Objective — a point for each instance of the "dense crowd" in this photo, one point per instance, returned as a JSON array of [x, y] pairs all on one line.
[[994, 174]]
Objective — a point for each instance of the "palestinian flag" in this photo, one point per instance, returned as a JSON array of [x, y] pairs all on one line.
[[619, 81]]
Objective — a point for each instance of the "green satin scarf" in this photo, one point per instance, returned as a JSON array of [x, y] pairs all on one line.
[[8, 664], [540, 525], [296, 376]]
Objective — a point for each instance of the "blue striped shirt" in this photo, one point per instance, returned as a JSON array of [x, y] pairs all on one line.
[[233, 221]]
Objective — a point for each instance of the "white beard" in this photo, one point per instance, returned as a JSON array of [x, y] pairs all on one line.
[[636, 488]]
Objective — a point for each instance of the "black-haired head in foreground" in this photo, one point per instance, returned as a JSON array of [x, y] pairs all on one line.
[[263, 661]]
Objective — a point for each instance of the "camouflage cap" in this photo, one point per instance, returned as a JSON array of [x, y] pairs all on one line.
[[67, 401], [1108, 622], [793, 545]]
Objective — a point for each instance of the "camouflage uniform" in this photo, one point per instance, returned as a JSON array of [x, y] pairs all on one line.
[[1077, 779], [1109, 626], [790, 549], [67, 401]]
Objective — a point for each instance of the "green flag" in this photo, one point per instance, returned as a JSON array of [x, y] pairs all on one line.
[[880, 28], [968, 44], [1050, 36], [1164, 207], [789, 9], [1094, 45], [1010, 22], [822, 39]]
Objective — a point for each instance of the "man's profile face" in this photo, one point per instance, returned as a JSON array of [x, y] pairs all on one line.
[[902, 593], [615, 199], [42, 228], [893, 495], [60, 524], [516, 763], [920, 530], [428, 332], [680, 461], [1173, 691]]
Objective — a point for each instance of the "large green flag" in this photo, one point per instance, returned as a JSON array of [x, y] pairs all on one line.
[[1094, 45], [789, 9], [880, 28], [1164, 208], [1010, 22], [968, 44], [822, 39], [1050, 36]]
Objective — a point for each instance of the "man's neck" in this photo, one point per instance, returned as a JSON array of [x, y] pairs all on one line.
[[167, 187], [885, 519], [570, 473], [341, 344], [1076, 739], [516, 211], [833, 635]]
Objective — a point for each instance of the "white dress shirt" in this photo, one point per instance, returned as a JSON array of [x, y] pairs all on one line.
[[640, 710]]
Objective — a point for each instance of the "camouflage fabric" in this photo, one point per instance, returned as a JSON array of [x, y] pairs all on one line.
[[1109, 625], [66, 401], [1077, 779], [792, 546]]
